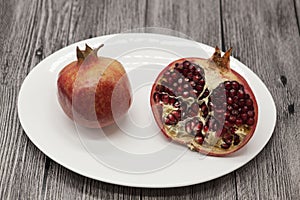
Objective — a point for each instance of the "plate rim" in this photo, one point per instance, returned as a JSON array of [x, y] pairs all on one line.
[[141, 185]]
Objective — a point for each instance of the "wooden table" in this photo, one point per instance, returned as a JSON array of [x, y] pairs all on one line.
[[264, 34]]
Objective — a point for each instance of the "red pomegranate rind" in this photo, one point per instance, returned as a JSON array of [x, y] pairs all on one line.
[[193, 115]]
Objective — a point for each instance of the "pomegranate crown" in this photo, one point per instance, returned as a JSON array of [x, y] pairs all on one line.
[[222, 61], [83, 54]]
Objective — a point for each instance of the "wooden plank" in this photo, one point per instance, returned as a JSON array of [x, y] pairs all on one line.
[[297, 10], [91, 19], [199, 20], [21, 163], [267, 40]]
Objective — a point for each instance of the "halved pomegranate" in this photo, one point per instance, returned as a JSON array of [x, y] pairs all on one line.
[[205, 105]]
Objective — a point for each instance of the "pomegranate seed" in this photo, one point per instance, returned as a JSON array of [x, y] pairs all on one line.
[[244, 109], [232, 118], [165, 98], [192, 67], [201, 82], [205, 128], [234, 112], [250, 113], [195, 107], [179, 90], [221, 86], [196, 78], [228, 141], [249, 102], [186, 63], [185, 72], [250, 108], [167, 73], [227, 93], [204, 108], [193, 124], [175, 85], [229, 108], [235, 99], [193, 84], [176, 114], [174, 75], [227, 136], [236, 139], [227, 123], [188, 127], [193, 92], [205, 94], [185, 86], [198, 126], [232, 92], [156, 97], [227, 85], [225, 146], [241, 102], [229, 100], [199, 139], [180, 80], [185, 94], [240, 93], [239, 121], [183, 106], [172, 101], [235, 106], [244, 116], [172, 119], [176, 104], [250, 121], [235, 85], [247, 96], [232, 129], [227, 115], [176, 64], [199, 88], [190, 76], [167, 121]]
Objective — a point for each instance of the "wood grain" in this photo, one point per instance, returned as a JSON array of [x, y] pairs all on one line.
[[267, 41], [21, 163], [199, 21], [91, 19]]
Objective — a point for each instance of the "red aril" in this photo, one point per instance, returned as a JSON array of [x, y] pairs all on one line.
[[205, 105]]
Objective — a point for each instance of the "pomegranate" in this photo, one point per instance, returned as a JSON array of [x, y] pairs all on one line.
[[94, 91], [205, 105]]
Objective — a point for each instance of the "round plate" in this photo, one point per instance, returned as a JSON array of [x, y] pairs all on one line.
[[133, 152]]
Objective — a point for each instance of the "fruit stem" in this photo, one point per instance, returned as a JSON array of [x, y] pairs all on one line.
[[222, 61], [83, 54]]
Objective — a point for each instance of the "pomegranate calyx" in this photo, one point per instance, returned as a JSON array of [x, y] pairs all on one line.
[[222, 61], [83, 54]]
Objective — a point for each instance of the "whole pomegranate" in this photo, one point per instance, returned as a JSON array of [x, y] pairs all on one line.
[[205, 105], [94, 91]]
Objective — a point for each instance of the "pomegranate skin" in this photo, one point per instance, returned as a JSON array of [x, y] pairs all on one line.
[[226, 74], [94, 91]]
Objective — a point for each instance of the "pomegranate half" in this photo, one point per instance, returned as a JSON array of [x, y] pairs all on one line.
[[94, 91], [205, 105]]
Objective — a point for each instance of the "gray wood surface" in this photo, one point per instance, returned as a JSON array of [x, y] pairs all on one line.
[[264, 34]]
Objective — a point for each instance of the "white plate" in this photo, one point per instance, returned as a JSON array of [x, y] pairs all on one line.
[[134, 153]]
